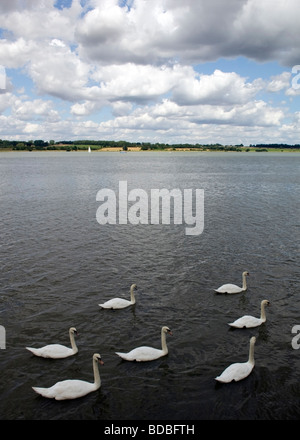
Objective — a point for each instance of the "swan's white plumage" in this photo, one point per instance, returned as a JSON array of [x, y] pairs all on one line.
[[73, 388], [57, 351], [120, 303], [145, 353], [250, 321], [232, 288], [239, 371]]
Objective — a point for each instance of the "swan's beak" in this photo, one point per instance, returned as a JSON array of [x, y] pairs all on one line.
[[170, 333], [101, 362]]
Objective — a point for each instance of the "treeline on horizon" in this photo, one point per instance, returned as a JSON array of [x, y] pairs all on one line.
[[40, 144]]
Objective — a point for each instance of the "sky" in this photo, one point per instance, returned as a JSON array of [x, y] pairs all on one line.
[[159, 71]]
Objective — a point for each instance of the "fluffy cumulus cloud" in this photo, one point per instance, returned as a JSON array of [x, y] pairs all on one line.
[[218, 88], [150, 70], [192, 31]]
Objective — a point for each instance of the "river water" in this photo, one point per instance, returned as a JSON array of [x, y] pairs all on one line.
[[58, 263]]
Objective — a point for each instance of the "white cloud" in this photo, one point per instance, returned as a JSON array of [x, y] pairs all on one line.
[[103, 24], [266, 31], [34, 20], [6, 101], [14, 54], [279, 82], [58, 71], [31, 128], [121, 108], [190, 31], [83, 109], [38, 108], [138, 82], [169, 115], [57, 43], [218, 88]]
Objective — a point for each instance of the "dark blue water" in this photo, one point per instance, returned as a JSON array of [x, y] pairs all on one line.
[[57, 263]]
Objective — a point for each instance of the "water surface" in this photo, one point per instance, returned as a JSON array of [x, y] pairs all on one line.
[[58, 263]]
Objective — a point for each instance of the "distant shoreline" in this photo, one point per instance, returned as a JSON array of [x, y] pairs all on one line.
[[125, 146], [158, 150]]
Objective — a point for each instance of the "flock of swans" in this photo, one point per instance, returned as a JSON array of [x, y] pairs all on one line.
[[72, 388]]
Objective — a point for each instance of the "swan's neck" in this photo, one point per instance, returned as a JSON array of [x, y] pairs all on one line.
[[163, 342], [97, 380], [73, 343], [244, 282], [132, 297], [251, 353], [263, 313]]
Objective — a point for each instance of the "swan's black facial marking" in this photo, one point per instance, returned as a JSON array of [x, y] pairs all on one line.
[[98, 359]]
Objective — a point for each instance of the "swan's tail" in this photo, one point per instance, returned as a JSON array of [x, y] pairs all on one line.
[[42, 391], [220, 379], [33, 350], [122, 355]]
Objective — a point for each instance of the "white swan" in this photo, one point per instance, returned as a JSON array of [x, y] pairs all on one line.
[[250, 321], [143, 354], [232, 288], [73, 388], [239, 371], [120, 303], [57, 351]]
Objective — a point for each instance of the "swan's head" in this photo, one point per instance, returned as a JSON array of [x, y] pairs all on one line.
[[167, 330], [133, 287], [265, 302], [253, 340], [97, 358], [246, 273], [73, 331]]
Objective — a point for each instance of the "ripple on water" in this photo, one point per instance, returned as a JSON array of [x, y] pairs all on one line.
[[58, 264]]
